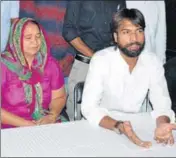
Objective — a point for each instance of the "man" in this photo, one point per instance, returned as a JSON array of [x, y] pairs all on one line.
[[87, 27], [119, 78], [155, 32], [9, 13]]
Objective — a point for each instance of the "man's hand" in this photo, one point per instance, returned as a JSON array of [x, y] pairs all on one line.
[[127, 129], [48, 119], [163, 133]]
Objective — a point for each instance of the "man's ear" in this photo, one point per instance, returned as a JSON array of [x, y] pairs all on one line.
[[115, 36]]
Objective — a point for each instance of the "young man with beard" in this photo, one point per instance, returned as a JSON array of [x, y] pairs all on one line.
[[119, 78]]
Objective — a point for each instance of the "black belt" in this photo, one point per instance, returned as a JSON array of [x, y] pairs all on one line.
[[82, 58]]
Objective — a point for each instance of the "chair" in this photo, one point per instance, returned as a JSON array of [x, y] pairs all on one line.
[[64, 116], [78, 90]]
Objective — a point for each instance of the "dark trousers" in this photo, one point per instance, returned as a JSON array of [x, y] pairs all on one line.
[[170, 73]]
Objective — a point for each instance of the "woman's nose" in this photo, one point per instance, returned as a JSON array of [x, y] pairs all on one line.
[[35, 41]]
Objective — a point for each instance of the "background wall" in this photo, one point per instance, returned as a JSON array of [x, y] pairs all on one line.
[[171, 28]]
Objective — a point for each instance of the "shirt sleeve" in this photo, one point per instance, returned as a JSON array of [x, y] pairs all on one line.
[[93, 92], [14, 9], [57, 79], [158, 92], [70, 26]]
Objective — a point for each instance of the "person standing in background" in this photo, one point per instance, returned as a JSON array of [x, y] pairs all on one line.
[[87, 27], [155, 33], [9, 13]]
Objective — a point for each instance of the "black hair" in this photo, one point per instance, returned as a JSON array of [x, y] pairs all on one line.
[[133, 15]]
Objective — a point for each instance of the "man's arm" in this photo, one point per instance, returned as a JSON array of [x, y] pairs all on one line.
[[92, 96], [108, 122], [158, 93], [80, 46], [160, 99], [70, 28]]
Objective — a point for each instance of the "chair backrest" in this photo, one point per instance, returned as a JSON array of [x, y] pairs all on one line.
[[78, 90]]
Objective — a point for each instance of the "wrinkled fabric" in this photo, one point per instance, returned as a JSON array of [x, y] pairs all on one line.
[[26, 90], [12, 92]]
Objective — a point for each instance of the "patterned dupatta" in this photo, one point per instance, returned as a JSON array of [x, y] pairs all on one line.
[[15, 61]]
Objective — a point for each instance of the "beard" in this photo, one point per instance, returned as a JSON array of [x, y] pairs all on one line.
[[131, 53]]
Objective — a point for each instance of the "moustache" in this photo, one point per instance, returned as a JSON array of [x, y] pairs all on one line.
[[131, 44]]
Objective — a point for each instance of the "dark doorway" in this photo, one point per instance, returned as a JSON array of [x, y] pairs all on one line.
[[171, 28]]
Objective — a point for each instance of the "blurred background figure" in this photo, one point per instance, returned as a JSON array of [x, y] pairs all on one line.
[[9, 13], [87, 27]]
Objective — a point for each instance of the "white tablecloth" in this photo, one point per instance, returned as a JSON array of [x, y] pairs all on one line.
[[81, 139]]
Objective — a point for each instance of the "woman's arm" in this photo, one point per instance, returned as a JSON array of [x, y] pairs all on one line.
[[58, 101], [14, 120], [57, 104]]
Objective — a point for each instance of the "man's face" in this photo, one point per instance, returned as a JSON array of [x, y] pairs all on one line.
[[130, 38]]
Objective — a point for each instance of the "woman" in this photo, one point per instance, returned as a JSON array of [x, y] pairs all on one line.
[[32, 85]]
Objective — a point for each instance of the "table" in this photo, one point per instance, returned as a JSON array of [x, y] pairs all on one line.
[[79, 139]]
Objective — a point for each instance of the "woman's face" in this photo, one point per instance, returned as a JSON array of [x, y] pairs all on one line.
[[31, 39]]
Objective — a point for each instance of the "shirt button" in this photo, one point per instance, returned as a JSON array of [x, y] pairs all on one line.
[[105, 22]]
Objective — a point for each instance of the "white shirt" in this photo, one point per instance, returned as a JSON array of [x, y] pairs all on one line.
[[110, 86], [155, 31], [9, 10]]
